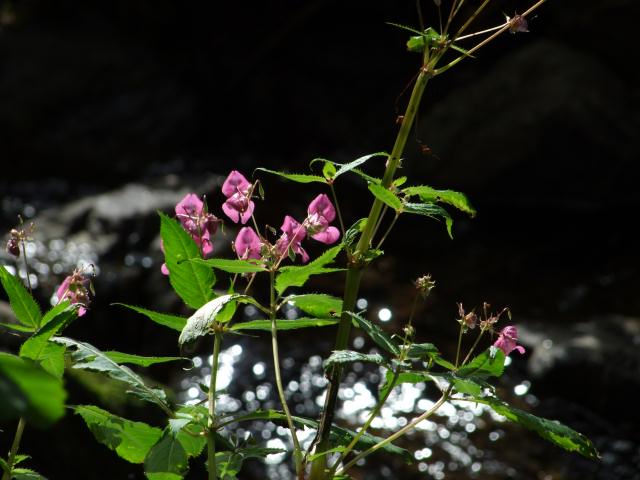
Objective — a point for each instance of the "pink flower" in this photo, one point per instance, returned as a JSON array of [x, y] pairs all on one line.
[[74, 289], [507, 340], [292, 235], [247, 244], [238, 206], [192, 215], [320, 214]]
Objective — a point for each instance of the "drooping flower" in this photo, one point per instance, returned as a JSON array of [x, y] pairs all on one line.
[[74, 289], [247, 244], [507, 340], [292, 235], [192, 215], [320, 214], [517, 24], [237, 189]]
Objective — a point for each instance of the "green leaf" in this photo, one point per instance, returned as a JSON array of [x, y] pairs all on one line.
[[88, 357], [232, 266], [200, 323], [347, 167], [26, 474], [26, 390], [316, 304], [550, 430], [421, 351], [379, 336], [432, 211], [22, 303], [265, 325], [484, 365], [349, 356], [18, 327], [171, 321], [4, 465], [465, 385], [55, 312], [167, 459], [296, 177], [353, 232], [229, 464], [119, 357], [296, 276], [386, 196], [450, 197], [403, 377], [20, 458], [192, 282], [49, 355], [130, 440], [329, 170]]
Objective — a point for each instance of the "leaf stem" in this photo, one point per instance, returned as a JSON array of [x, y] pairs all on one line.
[[396, 435], [211, 442], [384, 237], [297, 452], [357, 263], [14, 448]]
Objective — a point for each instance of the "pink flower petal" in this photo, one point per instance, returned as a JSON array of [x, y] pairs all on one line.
[[235, 183], [322, 206], [329, 236]]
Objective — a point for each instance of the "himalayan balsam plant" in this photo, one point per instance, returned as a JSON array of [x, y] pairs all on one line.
[[31, 382]]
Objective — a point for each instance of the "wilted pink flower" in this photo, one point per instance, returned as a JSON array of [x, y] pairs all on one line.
[[517, 24], [507, 340], [247, 244], [74, 289], [320, 214], [292, 235], [238, 206]]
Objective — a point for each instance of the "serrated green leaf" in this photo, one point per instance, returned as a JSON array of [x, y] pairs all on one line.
[[191, 281], [22, 303], [4, 465], [296, 276], [484, 365], [340, 357], [18, 327], [166, 320], [317, 305], [352, 232], [130, 440], [49, 355], [386, 196], [379, 336], [200, 323], [26, 474], [347, 167], [432, 211], [296, 177], [20, 458], [55, 312], [167, 459], [404, 377], [119, 357], [265, 325], [232, 266], [465, 385], [451, 197], [87, 357], [421, 351], [28, 391], [550, 430]]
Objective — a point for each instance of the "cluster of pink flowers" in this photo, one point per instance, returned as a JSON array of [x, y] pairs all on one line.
[[201, 225], [75, 289]]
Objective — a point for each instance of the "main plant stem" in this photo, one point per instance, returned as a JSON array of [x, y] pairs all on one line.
[[211, 442], [297, 452], [14, 448], [354, 271]]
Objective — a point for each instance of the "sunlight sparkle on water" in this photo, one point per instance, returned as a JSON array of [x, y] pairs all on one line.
[[384, 314]]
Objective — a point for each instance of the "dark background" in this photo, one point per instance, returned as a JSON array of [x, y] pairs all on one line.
[[540, 131]]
